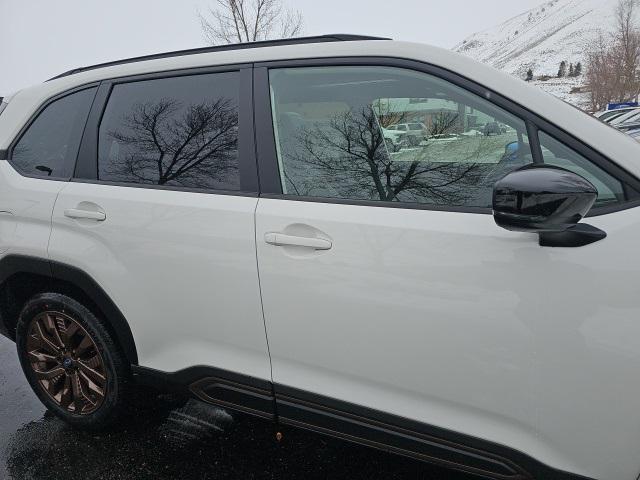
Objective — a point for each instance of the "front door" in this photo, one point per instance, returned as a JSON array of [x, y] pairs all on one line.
[[387, 285]]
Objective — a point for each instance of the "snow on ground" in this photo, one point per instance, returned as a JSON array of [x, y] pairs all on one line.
[[562, 87]]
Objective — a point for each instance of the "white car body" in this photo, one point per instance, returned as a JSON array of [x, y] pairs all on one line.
[[439, 317]]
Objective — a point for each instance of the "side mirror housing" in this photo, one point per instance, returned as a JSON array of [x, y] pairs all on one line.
[[547, 200]]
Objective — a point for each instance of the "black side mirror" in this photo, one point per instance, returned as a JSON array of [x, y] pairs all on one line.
[[547, 200]]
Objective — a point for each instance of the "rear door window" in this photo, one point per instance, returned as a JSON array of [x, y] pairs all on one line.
[[177, 131]]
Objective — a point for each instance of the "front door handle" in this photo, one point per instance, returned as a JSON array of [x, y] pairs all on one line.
[[283, 240], [77, 213]]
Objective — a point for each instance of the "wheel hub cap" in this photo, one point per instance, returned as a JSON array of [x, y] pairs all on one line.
[[66, 362]]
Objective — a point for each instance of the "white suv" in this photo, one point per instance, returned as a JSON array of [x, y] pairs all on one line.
[[229, 221]]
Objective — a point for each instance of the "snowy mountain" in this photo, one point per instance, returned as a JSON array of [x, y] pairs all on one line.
[[541, 38]]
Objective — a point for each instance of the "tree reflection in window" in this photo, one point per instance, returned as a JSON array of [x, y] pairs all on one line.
[[350, 157]]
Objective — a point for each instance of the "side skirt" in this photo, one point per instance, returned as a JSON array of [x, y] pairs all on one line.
[[289, 406], [217, 387]]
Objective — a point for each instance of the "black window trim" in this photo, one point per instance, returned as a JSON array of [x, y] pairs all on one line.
[[270, 183], [86, 169], [43, 106]]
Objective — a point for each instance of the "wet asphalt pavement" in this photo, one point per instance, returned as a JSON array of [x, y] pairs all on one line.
[[168, 437]]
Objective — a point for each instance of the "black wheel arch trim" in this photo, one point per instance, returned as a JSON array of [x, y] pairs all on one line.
[[353, 423], [11, 265]]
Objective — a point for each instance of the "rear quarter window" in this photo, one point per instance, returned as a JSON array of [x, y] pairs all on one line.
[[49, 146]]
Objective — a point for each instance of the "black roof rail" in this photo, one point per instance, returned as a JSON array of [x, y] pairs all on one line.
[[338, 37]]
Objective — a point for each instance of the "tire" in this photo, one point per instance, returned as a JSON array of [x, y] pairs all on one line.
[[72, 362]]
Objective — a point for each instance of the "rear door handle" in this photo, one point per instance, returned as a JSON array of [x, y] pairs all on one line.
[[77, 213], [282, 240]]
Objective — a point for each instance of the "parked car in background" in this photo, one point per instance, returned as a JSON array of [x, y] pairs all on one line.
[[609, 115], [494, 128], [629, 120], [395, 139], [629, 125], [229, 222], [625, 117], [415, 132]]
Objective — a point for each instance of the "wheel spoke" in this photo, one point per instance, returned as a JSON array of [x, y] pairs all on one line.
[[75, 386], [70, 331], [92, 386], [53, 327], [56, 387], [44, 341], [94, 362], [85, 344], [41, 357], [80, 398], [92, 373], [66, 397], [50, 374]]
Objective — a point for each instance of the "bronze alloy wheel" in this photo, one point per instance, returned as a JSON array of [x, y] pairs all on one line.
[[66, 362]]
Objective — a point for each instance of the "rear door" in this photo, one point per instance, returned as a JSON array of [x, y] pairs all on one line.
[[161, 215]]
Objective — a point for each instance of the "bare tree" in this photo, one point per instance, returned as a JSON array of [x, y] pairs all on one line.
[[166, 143], [240, 21], [613, 64], [601, 75], [627, 44]]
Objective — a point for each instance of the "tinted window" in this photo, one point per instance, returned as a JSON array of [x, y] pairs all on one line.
[[333, 141], [50, 145], [556, 153], [180, 131]]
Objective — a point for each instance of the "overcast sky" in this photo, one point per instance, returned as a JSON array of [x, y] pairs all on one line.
[[41, 38]]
